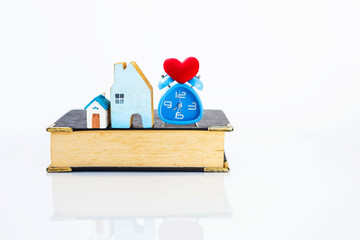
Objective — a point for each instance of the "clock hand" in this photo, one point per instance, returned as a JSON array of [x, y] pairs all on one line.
[[177, 96], [178, 106]]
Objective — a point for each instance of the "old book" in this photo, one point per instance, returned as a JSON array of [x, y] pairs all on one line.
[[196, 147]]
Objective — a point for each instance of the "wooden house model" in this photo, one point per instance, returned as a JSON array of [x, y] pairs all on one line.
[[131, 94], [97, 112]]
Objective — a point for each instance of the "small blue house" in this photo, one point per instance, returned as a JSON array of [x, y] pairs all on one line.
[[131, 94], [97, 112]]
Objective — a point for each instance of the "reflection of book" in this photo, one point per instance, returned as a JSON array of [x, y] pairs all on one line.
[[164, 147], [142, 195]]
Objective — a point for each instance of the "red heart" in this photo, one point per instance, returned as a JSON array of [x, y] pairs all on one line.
[[181, 71]]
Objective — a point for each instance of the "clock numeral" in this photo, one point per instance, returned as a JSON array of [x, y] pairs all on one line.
[[180, 95], [192, 107], [178, 115], [168, 104]]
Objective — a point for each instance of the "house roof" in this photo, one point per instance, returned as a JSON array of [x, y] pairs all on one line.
[[138, 70], [102, 100]]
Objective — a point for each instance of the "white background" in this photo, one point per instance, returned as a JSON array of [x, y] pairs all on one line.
[[286, 73]]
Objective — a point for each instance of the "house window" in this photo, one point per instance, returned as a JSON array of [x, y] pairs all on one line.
[[119, 98]]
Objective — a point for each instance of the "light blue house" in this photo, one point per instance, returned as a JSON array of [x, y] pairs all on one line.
[[131, 93]]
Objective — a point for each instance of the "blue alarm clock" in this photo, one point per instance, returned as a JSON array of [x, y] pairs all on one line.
[[180, 104]]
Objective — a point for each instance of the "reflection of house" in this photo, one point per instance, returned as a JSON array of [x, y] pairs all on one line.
[[131, 94], [97, 112]]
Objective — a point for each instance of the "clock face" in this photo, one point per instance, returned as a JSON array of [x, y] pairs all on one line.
[[180, 105]]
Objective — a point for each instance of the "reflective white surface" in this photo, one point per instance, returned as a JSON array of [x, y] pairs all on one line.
[[284, 187]]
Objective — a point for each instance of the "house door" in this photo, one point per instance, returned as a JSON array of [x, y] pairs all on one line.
[[96, 120]]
